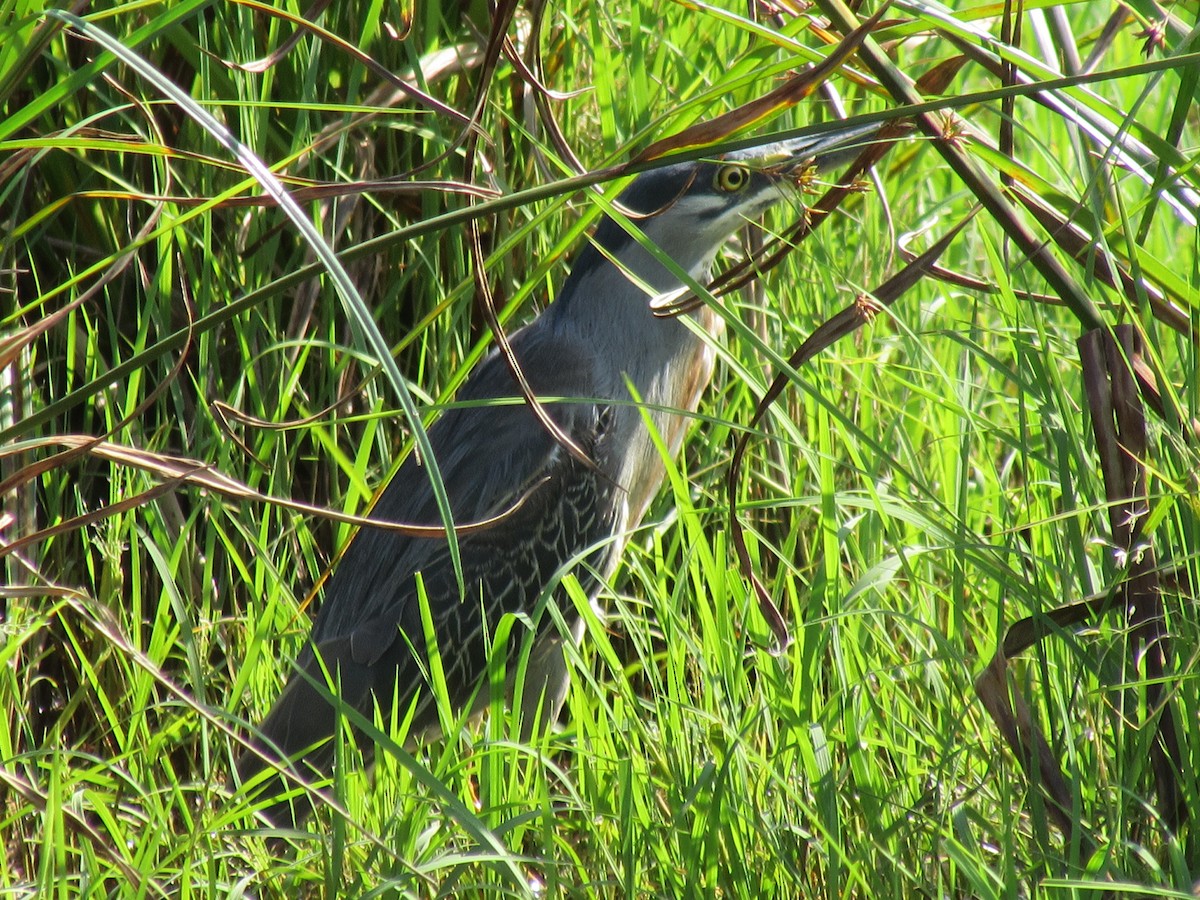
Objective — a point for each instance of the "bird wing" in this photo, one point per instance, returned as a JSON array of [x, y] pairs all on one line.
[[368, 634], [492, 458]]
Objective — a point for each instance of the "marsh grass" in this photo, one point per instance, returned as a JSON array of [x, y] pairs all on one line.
[[919, 487]]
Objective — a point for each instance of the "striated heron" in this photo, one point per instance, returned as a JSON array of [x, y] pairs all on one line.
[[599, 341]]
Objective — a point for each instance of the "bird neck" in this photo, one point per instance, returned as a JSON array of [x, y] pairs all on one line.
[[601, 305], [639, 267], [661, 361]]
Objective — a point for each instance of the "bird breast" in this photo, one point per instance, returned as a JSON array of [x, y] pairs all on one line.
[[669, 397]]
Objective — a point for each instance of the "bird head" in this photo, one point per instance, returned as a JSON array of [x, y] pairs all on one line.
[[689, 209]]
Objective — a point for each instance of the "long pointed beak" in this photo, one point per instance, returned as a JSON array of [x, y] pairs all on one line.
[[828, 150]]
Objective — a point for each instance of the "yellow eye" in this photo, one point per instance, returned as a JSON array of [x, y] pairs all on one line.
[[731, 179]]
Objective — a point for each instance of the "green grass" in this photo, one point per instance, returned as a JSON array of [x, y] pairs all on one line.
[[917, 489]]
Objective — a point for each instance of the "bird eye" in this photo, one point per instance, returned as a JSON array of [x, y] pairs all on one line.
[[731, 179]]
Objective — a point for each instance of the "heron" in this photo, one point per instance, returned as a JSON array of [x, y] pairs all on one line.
[[616, 373]]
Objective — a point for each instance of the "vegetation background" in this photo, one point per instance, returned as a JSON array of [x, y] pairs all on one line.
[[170, 355]]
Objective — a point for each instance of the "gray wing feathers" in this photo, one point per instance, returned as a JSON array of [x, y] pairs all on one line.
[[489, 458]]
